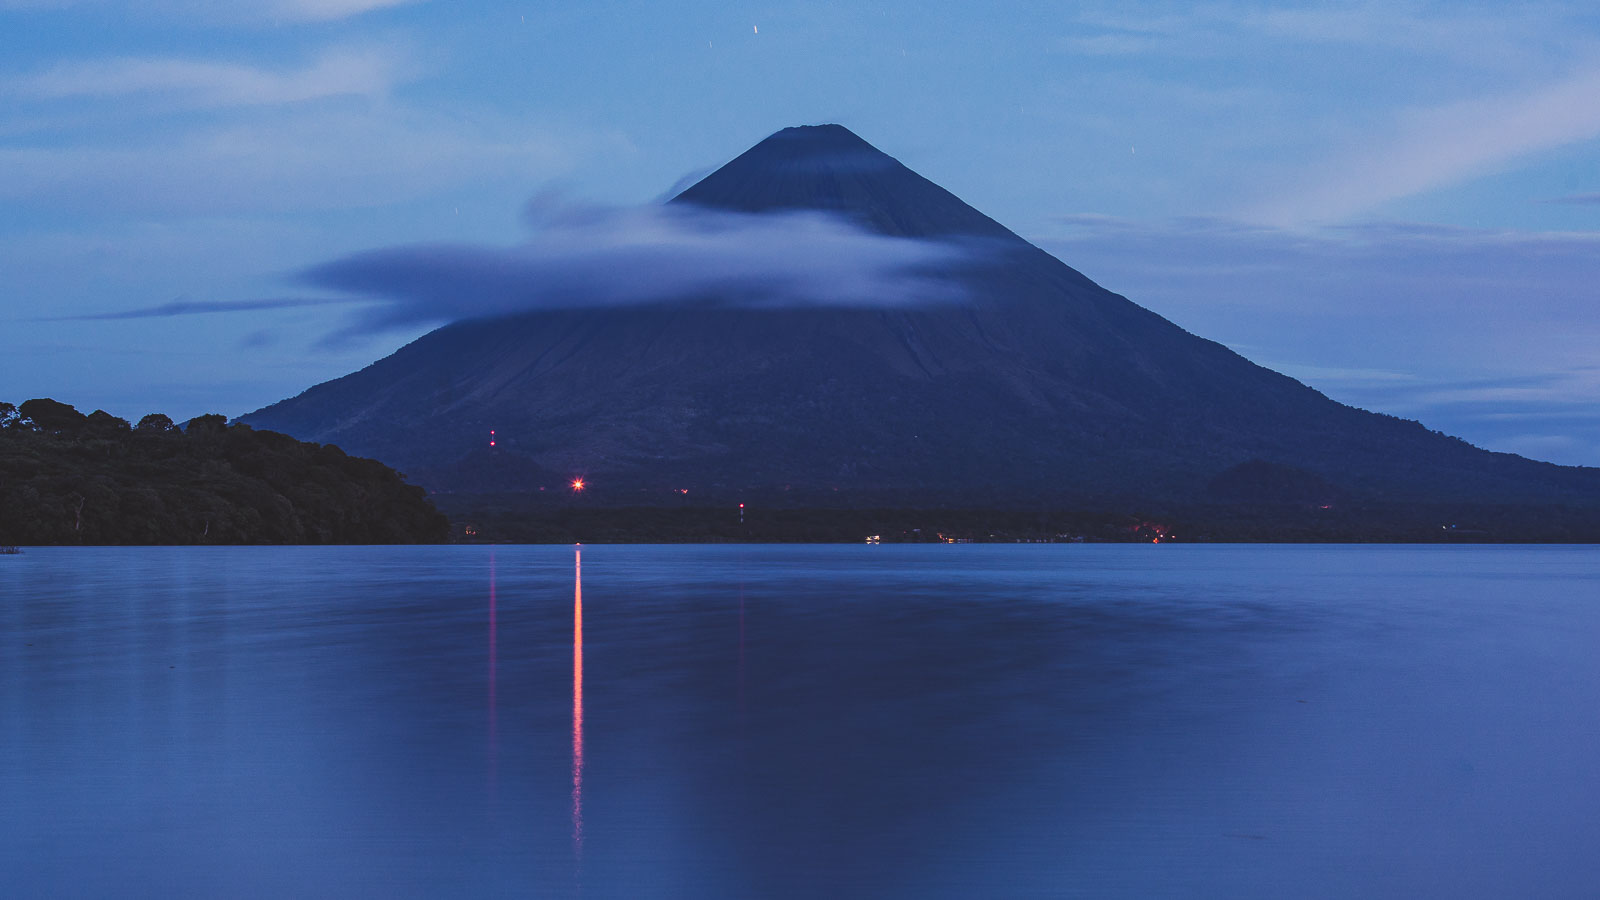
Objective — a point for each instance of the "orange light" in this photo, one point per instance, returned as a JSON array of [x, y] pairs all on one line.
[[577, 484]]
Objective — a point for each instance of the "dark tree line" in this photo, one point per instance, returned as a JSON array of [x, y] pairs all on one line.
[[70, 478]]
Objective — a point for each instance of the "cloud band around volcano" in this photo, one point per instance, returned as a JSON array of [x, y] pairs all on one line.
[[587, 257]]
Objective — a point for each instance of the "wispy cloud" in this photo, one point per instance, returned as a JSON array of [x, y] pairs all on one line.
[[221, 10], [1430, 148], [1464, 33], [1210, 29], [200, 307], [207, 83], [1578, 199], [1328, 111], [289, 158], [589, 257], [586, 257], [325, 10]]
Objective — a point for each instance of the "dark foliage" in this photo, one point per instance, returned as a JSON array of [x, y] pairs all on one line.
[[67, 478]]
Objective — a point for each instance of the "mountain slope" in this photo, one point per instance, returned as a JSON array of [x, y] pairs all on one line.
[[1044, 387]]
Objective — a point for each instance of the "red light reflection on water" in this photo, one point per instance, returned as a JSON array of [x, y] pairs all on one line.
[[577, 702], [494, 739], [741, 649]]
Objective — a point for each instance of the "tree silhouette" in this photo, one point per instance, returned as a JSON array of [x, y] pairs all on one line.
[[75, 479]]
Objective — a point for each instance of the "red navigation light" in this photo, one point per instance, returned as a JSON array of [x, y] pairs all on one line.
[[577, 484]]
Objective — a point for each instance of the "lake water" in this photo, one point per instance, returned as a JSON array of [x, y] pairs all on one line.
[[978, 721]]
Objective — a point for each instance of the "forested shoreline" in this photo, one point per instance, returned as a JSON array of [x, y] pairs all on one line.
[[70, 478]]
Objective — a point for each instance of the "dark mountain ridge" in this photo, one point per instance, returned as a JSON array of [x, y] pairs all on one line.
[[1042, 388]]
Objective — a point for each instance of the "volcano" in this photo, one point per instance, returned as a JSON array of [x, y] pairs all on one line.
[[1042, 388]]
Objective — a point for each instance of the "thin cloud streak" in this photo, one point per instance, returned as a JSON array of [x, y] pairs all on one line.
[[330, 10], [1467, 35], [294, 159], [201, 307], [220, 11], [206, 83]]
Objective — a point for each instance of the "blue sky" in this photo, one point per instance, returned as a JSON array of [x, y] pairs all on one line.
[[1398, 204]]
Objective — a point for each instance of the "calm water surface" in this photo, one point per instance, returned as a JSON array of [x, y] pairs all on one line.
[[751, 722]]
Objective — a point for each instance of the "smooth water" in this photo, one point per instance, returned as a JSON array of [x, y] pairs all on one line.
[[983, 721]]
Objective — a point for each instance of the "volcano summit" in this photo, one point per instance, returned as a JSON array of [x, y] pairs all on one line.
[[1037, 386]]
